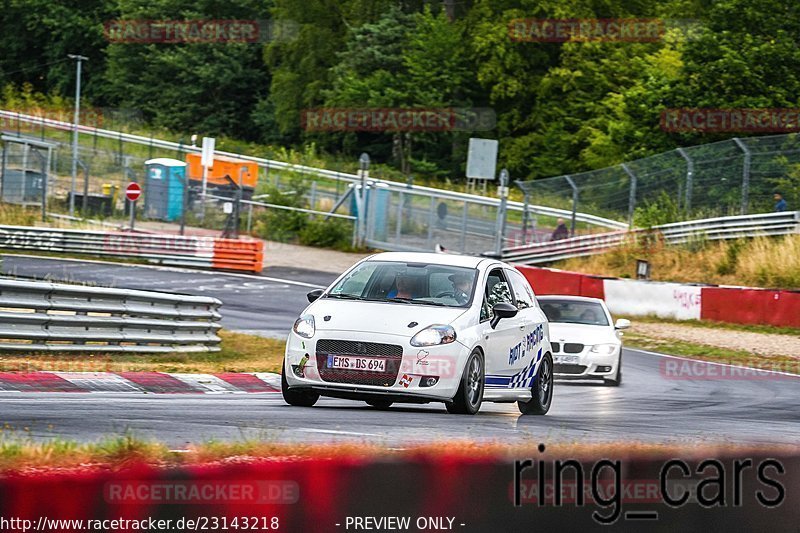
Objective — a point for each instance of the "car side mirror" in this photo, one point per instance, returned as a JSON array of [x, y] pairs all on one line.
[[502, 310], [314, 295], [622, 323]]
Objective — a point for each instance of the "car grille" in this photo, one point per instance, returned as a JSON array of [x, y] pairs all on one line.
[[556, 347], [563, 368], [573, 347], [391, 352]]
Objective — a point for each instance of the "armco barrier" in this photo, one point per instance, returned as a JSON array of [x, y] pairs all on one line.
[[202, 252], [734, 227], [420, 493], [39, 316]]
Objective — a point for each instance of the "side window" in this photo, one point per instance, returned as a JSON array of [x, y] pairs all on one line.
[[522, 292], [496, 291]]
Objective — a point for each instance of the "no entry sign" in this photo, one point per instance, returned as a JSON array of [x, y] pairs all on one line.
[[133, 191]]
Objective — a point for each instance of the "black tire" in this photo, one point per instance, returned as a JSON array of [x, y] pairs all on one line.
[[379, 404], [542, 390], [298, 398], [615, 381], [469, 397]]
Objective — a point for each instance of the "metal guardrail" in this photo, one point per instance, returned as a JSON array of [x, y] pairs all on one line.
[[735, 227], [38, 316], [313, 171], [198, 252]]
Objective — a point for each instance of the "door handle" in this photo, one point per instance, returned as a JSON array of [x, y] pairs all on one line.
[[522, 328]]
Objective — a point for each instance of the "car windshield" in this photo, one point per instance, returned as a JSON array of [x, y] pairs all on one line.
[[407, 283], [572, 312]]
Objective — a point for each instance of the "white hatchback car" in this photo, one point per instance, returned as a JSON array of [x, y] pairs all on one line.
[[585, 343], [422, 327]]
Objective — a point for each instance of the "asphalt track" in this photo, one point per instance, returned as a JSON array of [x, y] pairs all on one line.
[[707, 403]]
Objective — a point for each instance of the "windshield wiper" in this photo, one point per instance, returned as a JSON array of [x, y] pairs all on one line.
[[395, 300], [345, 297], [410, 301]]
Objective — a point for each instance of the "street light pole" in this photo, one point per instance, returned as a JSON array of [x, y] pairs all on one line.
[[80, 59]]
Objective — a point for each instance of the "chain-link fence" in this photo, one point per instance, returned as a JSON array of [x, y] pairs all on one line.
[[293, 202], [289, 202], [736, 176]]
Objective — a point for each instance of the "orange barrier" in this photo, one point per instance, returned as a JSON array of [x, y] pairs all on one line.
[[231, 254], [167, 249]]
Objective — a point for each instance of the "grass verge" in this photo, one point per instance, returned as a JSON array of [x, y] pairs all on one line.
[[758, 262], [24, 454], [240, 353]]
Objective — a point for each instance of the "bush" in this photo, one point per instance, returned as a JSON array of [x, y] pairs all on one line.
[[280, 224], [333, 233], [663, 210]]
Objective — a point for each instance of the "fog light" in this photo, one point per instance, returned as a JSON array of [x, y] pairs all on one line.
[[429, 381], [603, 369], [300, 369]]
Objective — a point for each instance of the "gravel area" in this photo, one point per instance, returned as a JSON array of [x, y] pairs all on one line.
[[321, 259], [769, 344]]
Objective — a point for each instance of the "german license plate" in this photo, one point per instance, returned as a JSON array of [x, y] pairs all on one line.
[[348, 362], [566, 359]]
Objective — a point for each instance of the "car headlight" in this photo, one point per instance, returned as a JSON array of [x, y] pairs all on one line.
[[604, 349], [304, 326], [434, 335]]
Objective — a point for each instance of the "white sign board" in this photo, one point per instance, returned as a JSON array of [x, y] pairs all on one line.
[[642, 298], [482, 159], [207, 158]]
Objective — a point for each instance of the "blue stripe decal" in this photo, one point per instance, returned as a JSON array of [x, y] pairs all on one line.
[[522, 379]]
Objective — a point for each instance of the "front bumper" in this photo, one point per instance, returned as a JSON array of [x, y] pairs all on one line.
[[586, 364], [408, 367]]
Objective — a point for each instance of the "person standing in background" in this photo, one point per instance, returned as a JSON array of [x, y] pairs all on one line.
[[780, 203], [561, 231]]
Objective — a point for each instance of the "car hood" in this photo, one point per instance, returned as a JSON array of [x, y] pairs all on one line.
[[561, 332], [379, 317]]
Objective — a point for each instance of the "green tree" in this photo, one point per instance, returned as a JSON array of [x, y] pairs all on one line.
[[37, 35], [211, 88]]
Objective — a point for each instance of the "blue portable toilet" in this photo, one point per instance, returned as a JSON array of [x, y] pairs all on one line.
[[163, 189]]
